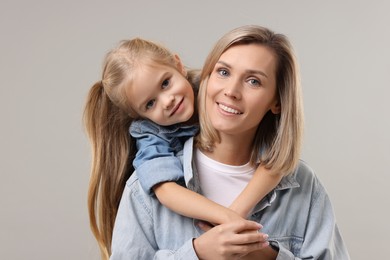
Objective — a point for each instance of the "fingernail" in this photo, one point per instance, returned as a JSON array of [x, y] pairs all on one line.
[[265, 236]]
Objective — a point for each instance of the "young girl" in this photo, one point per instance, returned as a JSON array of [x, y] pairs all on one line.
[[145, 88]]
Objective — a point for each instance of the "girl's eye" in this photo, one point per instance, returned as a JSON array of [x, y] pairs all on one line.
[[150, 104], [165, 84], [223, 72]]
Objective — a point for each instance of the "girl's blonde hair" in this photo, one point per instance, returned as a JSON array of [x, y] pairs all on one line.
[[107, 118], [277, 142]]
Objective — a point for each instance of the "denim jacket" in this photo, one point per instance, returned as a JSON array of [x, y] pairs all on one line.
[[297, 215], [158, 148]]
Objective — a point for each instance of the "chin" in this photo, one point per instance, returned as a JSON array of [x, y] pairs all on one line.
[[221, 127]]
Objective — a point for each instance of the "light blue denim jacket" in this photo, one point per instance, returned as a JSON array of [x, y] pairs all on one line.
[[156, 160], [297, 215]]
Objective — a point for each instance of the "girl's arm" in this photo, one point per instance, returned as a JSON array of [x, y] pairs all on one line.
[[158, 167], [262, 182], [191, 204]]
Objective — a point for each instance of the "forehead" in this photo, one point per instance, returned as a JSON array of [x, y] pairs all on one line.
[[145, 81], [250, 57], [148, 71]]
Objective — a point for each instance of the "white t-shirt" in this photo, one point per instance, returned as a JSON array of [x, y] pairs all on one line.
[[220, 182]]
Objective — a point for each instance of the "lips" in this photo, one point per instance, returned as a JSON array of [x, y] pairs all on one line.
[[176, 107], [229, 109]]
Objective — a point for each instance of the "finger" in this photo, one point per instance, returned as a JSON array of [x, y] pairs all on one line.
[[248, 238], [246, 225], [248, 248]]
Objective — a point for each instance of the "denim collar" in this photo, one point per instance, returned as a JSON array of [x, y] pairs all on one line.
[[287, 182]]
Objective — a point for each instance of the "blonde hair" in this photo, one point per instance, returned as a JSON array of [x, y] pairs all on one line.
[[277, 142], [107, 118]]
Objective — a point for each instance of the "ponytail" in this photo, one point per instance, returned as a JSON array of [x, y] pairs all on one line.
[[112, 153]]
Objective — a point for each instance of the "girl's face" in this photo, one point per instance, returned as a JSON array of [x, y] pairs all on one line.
[[162, 94], [241, 90]]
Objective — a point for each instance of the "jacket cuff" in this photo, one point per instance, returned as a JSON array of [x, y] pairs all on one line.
[[158, 170], [283, 253]]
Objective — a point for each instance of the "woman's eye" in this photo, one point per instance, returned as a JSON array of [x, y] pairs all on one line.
[[150, 104], [223, 72], [254, 82], [165, 84]]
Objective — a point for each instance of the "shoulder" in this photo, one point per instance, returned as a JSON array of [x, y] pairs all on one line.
[[143, 126], [136, 197], [134, 187], [302, 180], [303, 173], [309, 181]]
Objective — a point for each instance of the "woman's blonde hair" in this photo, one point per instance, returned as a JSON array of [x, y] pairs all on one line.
[[107, 118], [277, 142]]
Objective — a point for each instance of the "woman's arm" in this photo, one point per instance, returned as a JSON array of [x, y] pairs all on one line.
[[262, 182], [156, 160], [322, 237]]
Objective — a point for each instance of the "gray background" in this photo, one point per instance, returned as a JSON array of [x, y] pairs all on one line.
[[51, 52]]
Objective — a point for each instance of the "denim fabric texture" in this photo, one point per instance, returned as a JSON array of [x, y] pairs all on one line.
[[158, 151], [297, 215]]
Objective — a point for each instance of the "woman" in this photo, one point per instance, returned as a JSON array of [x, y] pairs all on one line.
[[250, 112]]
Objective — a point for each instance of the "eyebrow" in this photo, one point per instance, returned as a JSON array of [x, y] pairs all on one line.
[[247, 71]]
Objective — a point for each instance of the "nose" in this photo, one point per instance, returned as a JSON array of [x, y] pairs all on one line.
[[168, 101], [232, 90]]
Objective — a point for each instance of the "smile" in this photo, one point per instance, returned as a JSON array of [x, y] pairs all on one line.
[[176, 107], [229, 109]]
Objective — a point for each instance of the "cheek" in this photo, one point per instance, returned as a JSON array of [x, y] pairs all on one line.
[[209, 99], [258, 108], [187, 90], [211, 90], [191, 95], [211, 84]]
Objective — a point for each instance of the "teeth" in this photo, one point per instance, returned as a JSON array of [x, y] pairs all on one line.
[[229, 110]]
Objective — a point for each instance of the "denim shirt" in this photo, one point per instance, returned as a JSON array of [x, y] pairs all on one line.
[[297, 215], [158, 150]]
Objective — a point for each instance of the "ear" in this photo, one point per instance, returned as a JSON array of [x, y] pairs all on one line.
[[276, 107], [180, 66]]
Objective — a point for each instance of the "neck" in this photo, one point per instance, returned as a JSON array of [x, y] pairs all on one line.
[[232, 150]]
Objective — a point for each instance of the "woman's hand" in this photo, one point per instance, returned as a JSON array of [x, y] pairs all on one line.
[[266, 253], [229, 241]]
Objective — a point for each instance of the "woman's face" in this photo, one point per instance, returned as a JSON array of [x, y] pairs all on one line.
[[241, 90]]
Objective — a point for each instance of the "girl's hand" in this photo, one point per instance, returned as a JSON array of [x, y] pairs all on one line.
[[229, 241]]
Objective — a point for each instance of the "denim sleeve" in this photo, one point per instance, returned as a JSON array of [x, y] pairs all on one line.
[[134, 231], [156, 161], [322, 237], [186, 252]]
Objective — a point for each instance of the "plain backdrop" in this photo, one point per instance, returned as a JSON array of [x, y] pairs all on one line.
[[51, 52]]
